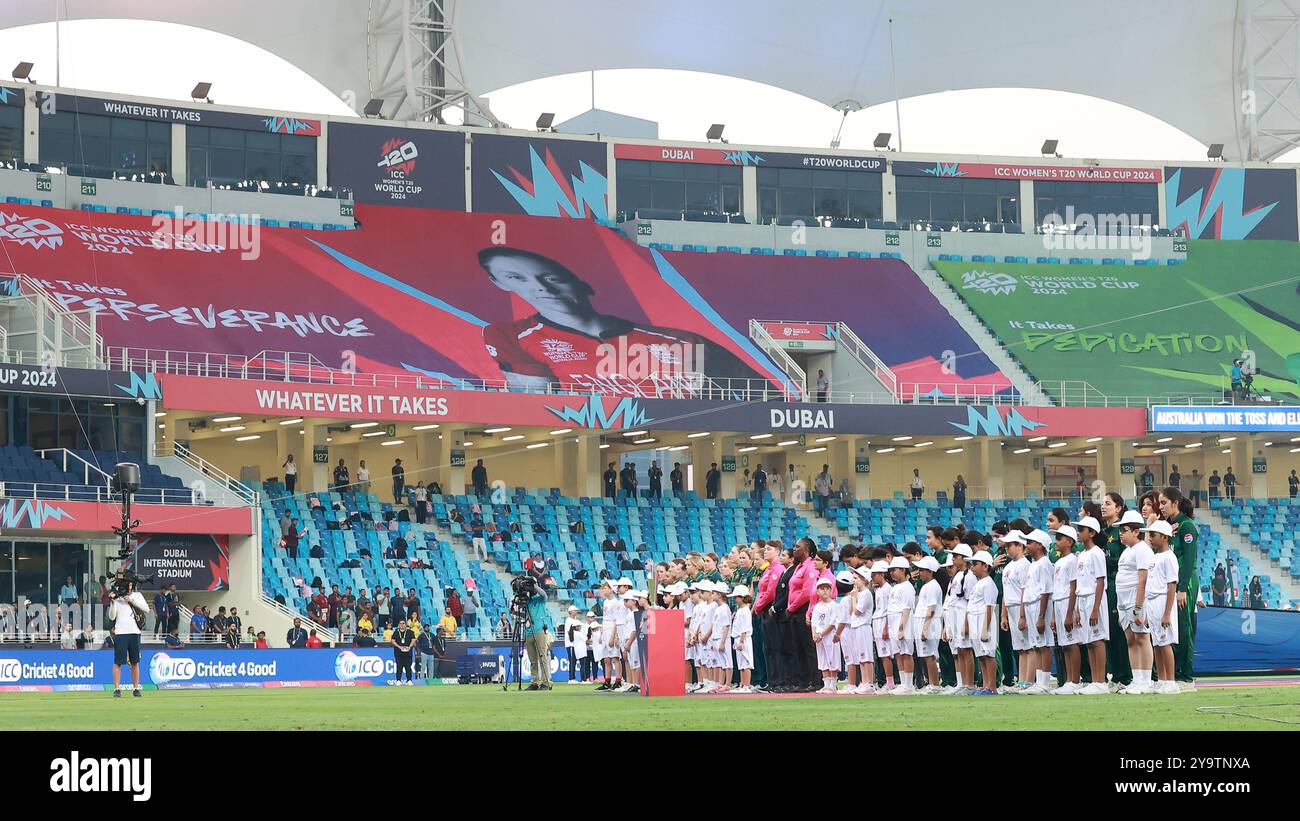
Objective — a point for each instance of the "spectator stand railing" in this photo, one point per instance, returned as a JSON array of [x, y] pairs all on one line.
[[225, 490], [325, 634]]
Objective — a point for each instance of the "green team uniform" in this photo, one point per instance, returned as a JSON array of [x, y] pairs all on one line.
[[1117, 648], [1184, 545]]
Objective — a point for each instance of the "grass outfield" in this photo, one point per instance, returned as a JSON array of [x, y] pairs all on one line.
[[485, 707]]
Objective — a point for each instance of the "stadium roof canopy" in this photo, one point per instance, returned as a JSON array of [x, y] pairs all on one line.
[[1223, 72]]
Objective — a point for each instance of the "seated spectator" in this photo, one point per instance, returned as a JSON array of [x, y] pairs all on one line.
[[435, 489], [68, 638], [413, 622], [173, 639], [260, 643], [316, 552], [364, 639], [456, 517], [365, 624], [504, 630], [313, 641], [388, 634], [399, 548]]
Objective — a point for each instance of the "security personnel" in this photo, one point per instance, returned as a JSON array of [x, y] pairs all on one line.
[[1177, 510], [676, 479], [611, 481]]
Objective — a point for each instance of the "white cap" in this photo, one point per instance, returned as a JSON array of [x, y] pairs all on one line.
[[1013, 536], [928, 563], [1066, 530], [844, 577], [962, 550], [899, 561], [629, 594], [983, 556], [880, 567], [864, 571], [1039, 536], [741, 590], [573, 608], [624, 582], [1132, 517], [1088, 522], [694, 586], [947, 560], [823, 582], [591, 613], [1160, 526]]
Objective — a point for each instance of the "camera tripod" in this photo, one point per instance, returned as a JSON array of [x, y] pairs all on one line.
[[521, 622]]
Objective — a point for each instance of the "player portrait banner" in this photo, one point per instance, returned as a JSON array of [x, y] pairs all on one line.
[[276, 124], [191, 561], [1227, 301], [1016, 171], [495, 302], [389, 165], [539, 176], [1221, 202]]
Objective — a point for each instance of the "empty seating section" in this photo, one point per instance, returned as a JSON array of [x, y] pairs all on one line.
[[1272, 526], [26, 475], [156, 487]]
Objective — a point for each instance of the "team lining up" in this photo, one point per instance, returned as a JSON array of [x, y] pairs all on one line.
[[888, 607]]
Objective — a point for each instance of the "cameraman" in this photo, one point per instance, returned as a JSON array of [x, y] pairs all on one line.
[[537, 638], [125, 605]]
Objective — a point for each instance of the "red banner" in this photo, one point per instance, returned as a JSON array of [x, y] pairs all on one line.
[[669, 153], [814, 331], [94, 517]]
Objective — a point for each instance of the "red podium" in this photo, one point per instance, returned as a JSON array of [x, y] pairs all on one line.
[[662, 644]]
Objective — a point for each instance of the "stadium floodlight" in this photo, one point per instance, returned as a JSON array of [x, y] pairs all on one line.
[[23, 71], [201, 92], [545, 121], [374, 108], [1049, 148], [715, 132], [1215, 152], [882, 141]]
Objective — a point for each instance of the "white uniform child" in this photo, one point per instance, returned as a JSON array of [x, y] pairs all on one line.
[[1014, 580], [1133, 559], [1041, 580], [688, 608], [633, 656], [958, 600], [978, 618], [902, 599], [1164, 569], [1065, 574], [742, 637], [825, 615], [880, 614], [718, 640], [857, 640], [1092, 566], [929, 600], [702, 619]]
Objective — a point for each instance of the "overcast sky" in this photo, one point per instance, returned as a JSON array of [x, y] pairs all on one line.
[[126, 56]]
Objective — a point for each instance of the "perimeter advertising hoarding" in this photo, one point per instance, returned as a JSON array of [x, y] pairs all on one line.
[[62, 516], [389, 165], [411, 293], [413, 404], [1219, 419], [758, 157], [540, 177], [1017, 171], [276, 123], [1148, 331]]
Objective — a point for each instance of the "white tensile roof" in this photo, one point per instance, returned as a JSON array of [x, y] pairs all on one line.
[[1178, 60]]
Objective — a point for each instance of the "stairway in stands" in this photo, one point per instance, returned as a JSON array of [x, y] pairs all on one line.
[[989, 344]]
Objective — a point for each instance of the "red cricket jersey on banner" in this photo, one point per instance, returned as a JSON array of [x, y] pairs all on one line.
[[649, 357]]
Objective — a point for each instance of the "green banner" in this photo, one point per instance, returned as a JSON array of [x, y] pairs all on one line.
[[1147, 330]]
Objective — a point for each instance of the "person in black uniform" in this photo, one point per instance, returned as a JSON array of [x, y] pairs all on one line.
[[712, 481], [656, 481], [611, 481], [479, 477], [627, 480], [675, 479], [403, 643]]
